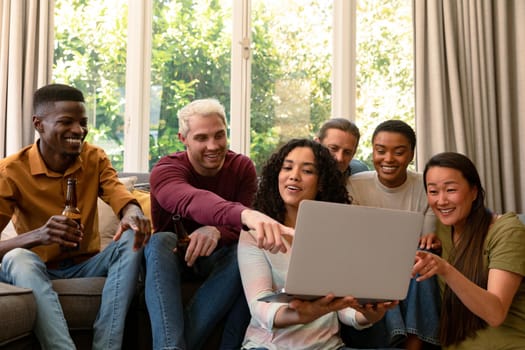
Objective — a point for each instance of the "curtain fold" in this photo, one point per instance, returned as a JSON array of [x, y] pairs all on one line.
[[26, 58], [470, 89]]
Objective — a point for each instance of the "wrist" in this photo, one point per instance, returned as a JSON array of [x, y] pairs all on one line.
[[362, 320], [244, 219]]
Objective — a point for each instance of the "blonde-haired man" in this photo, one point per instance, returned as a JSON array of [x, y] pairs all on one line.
[[212, 189]]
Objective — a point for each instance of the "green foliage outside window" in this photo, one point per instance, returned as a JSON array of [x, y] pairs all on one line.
[[384, 66], [191, 49]]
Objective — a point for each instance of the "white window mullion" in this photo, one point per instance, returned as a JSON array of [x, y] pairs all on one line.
[[136, 118], [240, 78], [344, 53]]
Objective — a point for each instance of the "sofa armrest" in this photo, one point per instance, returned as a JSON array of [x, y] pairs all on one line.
[[18, 307]]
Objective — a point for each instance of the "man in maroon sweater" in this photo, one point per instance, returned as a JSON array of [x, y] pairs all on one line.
[[212, 189]]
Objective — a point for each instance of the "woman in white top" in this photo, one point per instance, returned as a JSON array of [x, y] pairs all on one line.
[[301, 169]]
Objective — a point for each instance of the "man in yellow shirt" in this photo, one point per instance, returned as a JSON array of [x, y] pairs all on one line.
[[51, 246]]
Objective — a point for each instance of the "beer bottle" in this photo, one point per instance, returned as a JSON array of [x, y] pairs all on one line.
[[183, 239], [71, 210]]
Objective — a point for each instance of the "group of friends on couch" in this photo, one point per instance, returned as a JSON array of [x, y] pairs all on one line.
[[467, 290]]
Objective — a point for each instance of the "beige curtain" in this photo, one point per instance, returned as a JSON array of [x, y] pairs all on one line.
[[26, 57], [470, 90]]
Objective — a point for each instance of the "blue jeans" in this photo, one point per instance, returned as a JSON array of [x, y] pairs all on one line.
[[23, 268], [174, 327], [235, 324], [418, 314]]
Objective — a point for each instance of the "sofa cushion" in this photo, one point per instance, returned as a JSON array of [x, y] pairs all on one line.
[[80, 299], [18, 309], [143, 197]]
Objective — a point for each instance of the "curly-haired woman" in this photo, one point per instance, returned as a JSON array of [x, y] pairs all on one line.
[[301, 169]]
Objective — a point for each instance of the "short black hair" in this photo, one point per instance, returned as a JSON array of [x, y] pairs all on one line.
[[55, 92], [398, 126]]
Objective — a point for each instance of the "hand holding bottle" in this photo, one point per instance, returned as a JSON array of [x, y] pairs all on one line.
[[73, 236]]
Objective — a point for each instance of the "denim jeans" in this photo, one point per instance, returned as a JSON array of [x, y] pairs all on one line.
[[23, 268], [174, 327], [418, 314], [236, 324]]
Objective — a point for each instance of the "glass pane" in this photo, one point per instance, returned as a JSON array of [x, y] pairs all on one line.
[[90, 54], [384, 68], [190, 59], [291, 72]]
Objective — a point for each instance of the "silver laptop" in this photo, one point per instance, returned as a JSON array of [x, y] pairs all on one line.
[[351, 250]]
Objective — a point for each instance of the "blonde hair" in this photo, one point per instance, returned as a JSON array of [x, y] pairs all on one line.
[[203, 107]]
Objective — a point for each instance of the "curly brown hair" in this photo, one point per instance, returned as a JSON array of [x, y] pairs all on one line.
[[268, 199]]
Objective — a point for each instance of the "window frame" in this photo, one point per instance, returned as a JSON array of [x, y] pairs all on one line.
[[136, 117]]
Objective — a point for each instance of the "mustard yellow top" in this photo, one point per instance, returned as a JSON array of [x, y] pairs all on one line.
[[30, 194]]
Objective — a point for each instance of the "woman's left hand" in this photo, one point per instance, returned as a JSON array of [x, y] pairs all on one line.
[[427, 265]]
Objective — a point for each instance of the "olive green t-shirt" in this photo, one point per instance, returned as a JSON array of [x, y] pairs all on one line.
[[504, 250]]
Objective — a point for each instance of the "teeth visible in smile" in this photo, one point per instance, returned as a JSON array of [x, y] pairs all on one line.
[[445, 211], [293, 188], [388, 168], [72, 140]]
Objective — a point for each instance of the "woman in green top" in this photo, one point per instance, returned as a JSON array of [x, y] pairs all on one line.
[[482, 263]]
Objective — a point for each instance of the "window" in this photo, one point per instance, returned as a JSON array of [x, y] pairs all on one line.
[[191, 58], [290, 72], [90, 53], [278, 85], [384, 68]]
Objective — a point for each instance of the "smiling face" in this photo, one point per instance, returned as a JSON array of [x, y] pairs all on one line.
[[450, 196], [298, 178], [342, 145], [206, 143], [392, 153], [62, 127]]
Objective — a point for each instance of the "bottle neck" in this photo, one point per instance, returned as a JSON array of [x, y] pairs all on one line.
[[179, 227], [71, 194]]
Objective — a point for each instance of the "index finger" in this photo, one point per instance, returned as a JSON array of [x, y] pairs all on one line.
[[421, 254], [287, 231], [269, 237]]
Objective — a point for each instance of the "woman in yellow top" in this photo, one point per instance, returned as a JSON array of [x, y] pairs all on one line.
[[482, 263]]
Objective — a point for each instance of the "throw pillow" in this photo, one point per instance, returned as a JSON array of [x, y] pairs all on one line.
[[107, 220]]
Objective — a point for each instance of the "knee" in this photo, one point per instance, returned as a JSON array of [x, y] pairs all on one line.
[[230, 256], [127, 238], [228, 260], [160, 247], [162, 240], [22, 262]]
